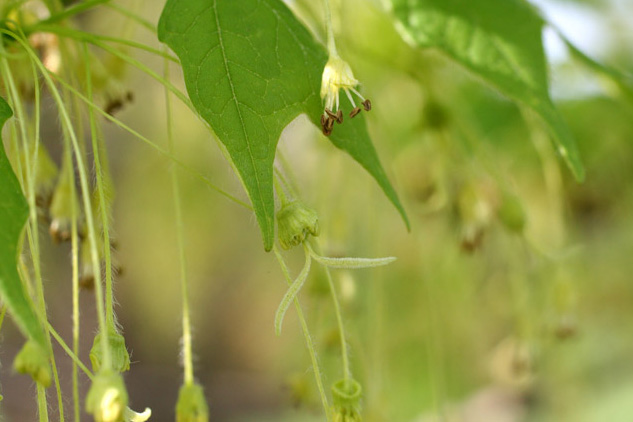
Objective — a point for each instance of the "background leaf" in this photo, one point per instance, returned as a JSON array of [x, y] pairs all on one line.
[[250, 68], [498, 40], [14, 212]]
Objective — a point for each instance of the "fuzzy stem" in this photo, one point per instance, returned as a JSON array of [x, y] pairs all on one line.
[[74, 242], [347, 373], [306, 335], [331, 44], [186, 318], [283, 198], [69, 352], [42, 405], [97, 149], [74, 34]]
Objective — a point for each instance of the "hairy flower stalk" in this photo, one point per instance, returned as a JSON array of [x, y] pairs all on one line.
[[337, 75]]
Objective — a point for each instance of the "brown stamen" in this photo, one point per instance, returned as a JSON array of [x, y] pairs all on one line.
[[330, 113], [354, 112], [339, 117], [326, 124], [367, 105]]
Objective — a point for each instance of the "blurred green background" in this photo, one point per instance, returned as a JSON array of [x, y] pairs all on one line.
[[474, 322]]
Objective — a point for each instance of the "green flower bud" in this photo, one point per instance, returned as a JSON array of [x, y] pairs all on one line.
[[118, 352], [45, 175], [33, 360], [61, 206], [512, 214], [192, 405], [107, 398], [476, 209], [295, 222], [346, 395]]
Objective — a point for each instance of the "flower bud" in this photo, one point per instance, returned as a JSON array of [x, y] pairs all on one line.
[[45, 175], [107, 398], [33, 360], [61, 207], [192, 405], [295, 222], [511, 213], [118, 352], [476, 206], [346, 395]]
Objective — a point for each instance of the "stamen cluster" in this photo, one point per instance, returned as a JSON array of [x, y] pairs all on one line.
[[338, 75]]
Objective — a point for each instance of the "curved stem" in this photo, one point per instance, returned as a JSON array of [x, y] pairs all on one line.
[[331, 44], [186, 318], [306, 335], [347, 373]]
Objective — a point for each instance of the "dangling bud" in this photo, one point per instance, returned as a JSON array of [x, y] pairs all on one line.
[[44, 178], [62, 205], [346, 395], [295, 222], [192, 405], [511, 213], [107, 398], [118, 352], [33, 360], [86, 270], [476, 206]]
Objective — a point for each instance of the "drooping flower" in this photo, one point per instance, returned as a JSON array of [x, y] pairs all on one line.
[[338, 75], [346, 394]]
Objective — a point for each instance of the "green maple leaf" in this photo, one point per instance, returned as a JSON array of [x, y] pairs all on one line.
[[14, 212], [498, 40], [250, 68]]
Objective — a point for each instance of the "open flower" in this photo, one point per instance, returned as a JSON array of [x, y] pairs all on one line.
[[338, 75]]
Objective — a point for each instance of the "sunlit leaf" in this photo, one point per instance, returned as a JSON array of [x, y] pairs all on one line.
[[501, 42], [250, 68], [14, 212]]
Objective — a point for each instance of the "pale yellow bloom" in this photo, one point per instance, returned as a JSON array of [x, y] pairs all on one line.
[[338, 75]]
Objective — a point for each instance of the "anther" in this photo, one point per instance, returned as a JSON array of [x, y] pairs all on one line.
[[327, 123], [354, 112], [339, 117], [367, 105]]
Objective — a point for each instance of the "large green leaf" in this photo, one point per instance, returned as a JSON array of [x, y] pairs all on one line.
[[501, 42], [250, 68], [14, 212]]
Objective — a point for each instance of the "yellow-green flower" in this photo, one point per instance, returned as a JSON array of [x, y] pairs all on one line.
[[338, 75]]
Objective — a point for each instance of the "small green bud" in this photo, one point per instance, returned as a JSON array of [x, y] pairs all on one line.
[[192, 405], [118, 352], [346, 395], [512, 214], [476, 209], [33, 360], [45, 175], [295, 222], [107, 398], [61, 207]]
